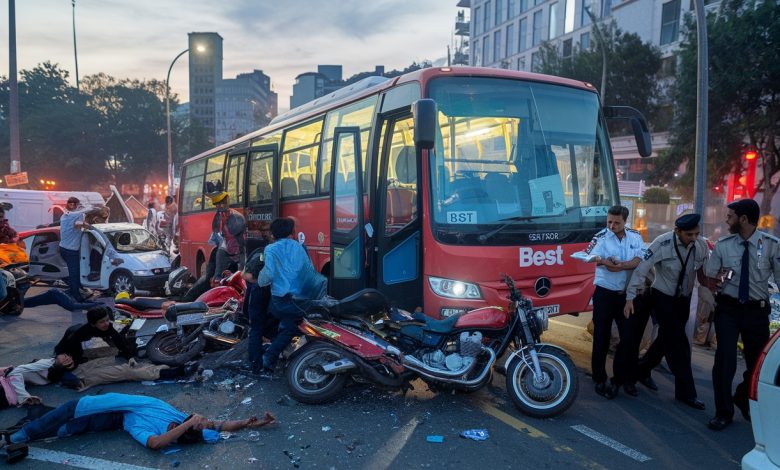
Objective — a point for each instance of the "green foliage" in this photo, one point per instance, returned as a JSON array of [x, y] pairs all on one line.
[[632, 68], [744, 95], [656, 196], [112, 130]]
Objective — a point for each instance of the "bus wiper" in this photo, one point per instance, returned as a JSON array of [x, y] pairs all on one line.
[[507, 222]]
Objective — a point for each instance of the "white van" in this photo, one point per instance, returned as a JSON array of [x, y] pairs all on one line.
[[32, 208]]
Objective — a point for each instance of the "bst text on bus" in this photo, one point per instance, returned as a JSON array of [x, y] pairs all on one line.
[[428, 186]]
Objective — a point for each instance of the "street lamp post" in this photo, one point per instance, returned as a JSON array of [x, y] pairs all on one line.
[[168, 120]]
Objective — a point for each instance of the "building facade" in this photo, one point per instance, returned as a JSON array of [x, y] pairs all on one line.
[[243, 104], [205, 74], [327, 79]]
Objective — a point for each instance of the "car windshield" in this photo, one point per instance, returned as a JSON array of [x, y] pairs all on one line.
[[132, 240], [517, 156]]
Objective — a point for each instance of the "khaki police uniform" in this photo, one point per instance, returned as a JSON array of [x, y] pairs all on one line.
[[675, 273], [734, 317]]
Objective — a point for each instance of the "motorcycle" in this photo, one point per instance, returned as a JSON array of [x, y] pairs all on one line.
[[17, 283], [192, 327], [360, 338], [230, 287]]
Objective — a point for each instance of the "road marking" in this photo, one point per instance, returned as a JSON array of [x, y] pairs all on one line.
[[609, 442], [384, 457], [560, 323], [79, 461]]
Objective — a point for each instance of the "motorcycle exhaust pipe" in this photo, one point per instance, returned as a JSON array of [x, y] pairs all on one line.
[[339, 366], [221, 339], [442, 376], [368, 371]]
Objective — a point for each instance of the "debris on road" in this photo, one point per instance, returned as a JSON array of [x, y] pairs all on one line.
[[475, 434], [326, 428], [246, 401], [435, 438]]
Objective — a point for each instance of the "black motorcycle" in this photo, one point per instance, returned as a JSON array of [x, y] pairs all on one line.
[[17, 283]]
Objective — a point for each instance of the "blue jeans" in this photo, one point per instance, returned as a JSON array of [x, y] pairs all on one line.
[[60, 422], [3, 288], [289, 311], [56, 296], [71, 258], [261, 322]]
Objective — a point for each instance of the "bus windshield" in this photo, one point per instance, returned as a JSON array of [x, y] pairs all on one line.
[[517, 156]]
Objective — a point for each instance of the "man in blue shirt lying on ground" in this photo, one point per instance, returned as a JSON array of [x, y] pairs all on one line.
[[152, 422]]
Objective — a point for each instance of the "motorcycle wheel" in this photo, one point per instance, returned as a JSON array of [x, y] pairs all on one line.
[[553, 397], [13, 304], [165, 348], [307, 382]]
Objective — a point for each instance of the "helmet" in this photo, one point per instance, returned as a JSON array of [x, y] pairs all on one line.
[[122, 295]]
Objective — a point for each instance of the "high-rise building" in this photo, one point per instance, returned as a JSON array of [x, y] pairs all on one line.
[[205, 74], [243, 104], [327, 79]]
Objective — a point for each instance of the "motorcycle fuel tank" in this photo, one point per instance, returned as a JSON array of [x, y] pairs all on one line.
[[487, 317]]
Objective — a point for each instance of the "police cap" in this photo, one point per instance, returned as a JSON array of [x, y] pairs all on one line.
[[687, 221], [746, 207]]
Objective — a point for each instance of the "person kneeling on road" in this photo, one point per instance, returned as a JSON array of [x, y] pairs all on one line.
[[150, 421], [294, 283]]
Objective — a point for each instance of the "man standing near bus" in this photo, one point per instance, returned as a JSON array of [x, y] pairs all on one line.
[[71, 224], [616, 250], [228, 234]]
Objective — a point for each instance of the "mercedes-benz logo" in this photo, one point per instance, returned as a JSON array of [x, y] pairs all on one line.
[[542, 286]]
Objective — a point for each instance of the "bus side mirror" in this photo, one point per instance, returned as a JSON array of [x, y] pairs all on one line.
[[424, 111], [638, 123]]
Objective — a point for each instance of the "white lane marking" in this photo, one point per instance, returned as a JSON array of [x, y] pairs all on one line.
[[384, 457], [609, 442], [79, 461]]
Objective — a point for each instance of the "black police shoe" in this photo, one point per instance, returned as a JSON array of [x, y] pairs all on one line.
[[692, 402], [649, 383], [630, 389], [718, 423]]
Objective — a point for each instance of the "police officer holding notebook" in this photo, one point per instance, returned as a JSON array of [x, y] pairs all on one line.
[[677, 256], [740, 265]]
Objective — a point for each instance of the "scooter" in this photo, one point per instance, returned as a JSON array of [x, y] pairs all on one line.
[[230, 287], [361, 338], [17, 284]]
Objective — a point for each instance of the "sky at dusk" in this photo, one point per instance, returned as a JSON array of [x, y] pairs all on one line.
[[283, 38]]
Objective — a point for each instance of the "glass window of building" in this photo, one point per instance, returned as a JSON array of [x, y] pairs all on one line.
[[477, 24], [585, 41], [499, 10], [485, 50], [606, 8], [568, 22], [523, 33], [523, 5], [476, 57], [537, 32], [521, 63], [536, 62], [670, 22], [497, 46], [552, 29], [510, 9], [588, 5], [510, 39], [486, 22]]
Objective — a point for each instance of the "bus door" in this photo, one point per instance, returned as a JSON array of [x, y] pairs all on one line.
[[399, 233], [262, 202], [347, 252]]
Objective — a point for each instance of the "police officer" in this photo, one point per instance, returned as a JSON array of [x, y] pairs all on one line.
[[677, 257], [740, 265], [616, 251]]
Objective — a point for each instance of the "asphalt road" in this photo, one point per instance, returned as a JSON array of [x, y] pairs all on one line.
[[369, 428]]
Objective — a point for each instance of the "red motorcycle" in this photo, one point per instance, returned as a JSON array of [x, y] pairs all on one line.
[[361, 338], [230, 287]]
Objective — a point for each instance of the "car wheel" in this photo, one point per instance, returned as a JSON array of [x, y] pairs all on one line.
[[122, 281]]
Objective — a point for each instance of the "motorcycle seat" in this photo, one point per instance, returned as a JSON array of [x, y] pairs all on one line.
[[437, 326], [188, 307], [143, 303], [362, 304]]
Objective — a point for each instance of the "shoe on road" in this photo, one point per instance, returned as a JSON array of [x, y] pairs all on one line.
[[649, 383], [692, 402], [718, 423], [630, 389]]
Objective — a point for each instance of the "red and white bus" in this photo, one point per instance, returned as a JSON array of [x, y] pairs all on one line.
[[462, 174]]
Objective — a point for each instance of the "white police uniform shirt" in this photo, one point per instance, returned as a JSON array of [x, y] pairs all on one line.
[[662, 255], [607, 245], [764, 250]]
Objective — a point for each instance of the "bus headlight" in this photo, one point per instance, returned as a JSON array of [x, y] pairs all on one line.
[[454, 289]]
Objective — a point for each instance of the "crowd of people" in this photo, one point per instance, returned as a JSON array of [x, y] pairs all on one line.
[[634, 283]]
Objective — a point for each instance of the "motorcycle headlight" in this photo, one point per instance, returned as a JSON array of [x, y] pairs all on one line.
[[454, 289], [540, 317]]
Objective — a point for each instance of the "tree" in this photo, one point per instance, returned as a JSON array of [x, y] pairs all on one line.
[[632, 67], [656, 196], [744, 96]]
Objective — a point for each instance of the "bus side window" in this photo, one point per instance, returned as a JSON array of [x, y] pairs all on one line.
[[401, 182], [192, 188], [300, 159], [234, 179]]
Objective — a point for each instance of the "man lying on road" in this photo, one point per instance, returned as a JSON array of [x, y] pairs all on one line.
[[98, 325], [152, 422]]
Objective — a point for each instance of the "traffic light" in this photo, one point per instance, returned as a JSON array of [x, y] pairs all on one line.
[[751, 159]]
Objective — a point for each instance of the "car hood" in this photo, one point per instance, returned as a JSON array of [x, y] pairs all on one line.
[[150, 260]]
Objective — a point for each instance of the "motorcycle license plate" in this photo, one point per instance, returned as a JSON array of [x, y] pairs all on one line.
[[550, 309], [189, 319]]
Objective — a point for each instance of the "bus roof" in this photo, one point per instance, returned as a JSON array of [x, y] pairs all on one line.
[[375, 84]]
